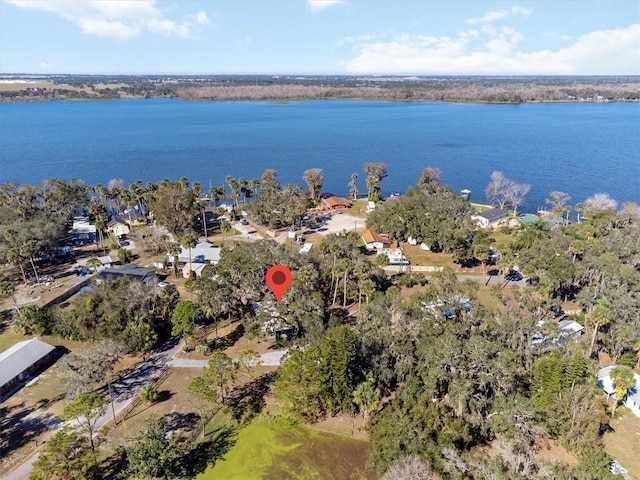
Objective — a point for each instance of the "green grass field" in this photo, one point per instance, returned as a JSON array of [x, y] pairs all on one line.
[[266, 451], [623, 443]]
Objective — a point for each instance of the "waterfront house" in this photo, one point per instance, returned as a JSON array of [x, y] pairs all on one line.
[[491, 218], [334, 203], [22, 361]]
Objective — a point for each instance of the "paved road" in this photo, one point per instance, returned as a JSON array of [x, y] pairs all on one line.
[[271, 359]]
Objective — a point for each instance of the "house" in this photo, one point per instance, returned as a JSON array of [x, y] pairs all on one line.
[[22, 361], [570, 329], [373, 240], [130, 270], [117, 226], [632, 400], [82, 231], [201, 253], [133, 217], [334, 203], [569, 332], [491, 218], [196, 268]]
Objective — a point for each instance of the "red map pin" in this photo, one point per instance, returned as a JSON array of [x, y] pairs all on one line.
[[279, 278]]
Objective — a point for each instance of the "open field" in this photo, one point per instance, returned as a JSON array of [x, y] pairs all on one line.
[[267, 451], [623, 443]]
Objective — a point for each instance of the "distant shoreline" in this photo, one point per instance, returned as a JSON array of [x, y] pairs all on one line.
[[488, 90]]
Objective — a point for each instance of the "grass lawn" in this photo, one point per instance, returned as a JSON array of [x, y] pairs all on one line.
[[623, 443], [264, 450]]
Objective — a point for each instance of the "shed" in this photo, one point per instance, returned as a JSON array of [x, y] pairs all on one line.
[[196, 268], [21, 361]]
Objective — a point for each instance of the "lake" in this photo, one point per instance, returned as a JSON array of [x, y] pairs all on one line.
[[578, 148]]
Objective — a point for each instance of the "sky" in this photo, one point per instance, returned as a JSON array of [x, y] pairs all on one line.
[[330, 37]]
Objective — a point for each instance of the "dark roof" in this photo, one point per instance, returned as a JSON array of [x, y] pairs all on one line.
[[130, 270], [494, 214], [20, 357]]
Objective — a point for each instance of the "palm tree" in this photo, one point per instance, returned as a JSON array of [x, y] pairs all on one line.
[[368, 288], [362, 271], [29, 249], [14, 256], [342, 268], [100, 223], [225, 227], [254, 184], [599, 316], [189, 240], [368, 397], [93, 263], [233, 185], [174, 251], [623, 379]]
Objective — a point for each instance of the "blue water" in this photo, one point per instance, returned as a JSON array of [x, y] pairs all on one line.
[[580, 149]]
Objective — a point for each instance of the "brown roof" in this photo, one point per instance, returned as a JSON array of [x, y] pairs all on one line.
[[334, 201], [370, 236]]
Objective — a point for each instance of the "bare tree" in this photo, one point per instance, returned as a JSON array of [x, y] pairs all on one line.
[[410, 467], [557, 201], [515, 194], [600, 201], [504, 191], [353, 186], [495, 190]]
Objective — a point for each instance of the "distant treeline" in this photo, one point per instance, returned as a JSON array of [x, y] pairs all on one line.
[[274, 88]]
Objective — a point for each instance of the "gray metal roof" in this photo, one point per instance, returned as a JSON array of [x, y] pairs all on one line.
[[21, 356], [494, 214]]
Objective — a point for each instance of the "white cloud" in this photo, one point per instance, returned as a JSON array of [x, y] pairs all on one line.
[[499, 15], [44, 65], [607, 52], [318, 5], [120, 20], [202, 18]]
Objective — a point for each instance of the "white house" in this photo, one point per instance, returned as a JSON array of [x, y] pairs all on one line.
[[373, 241], [491, 218], [632, 400], [201, 253]]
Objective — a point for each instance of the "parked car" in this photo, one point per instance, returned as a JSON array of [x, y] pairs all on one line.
[[513, 276]]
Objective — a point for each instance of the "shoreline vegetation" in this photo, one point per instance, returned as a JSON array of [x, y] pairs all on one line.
[[496, 90]]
